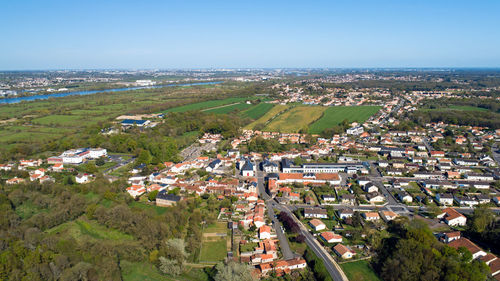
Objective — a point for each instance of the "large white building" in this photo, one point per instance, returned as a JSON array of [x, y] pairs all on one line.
[[77, 156]]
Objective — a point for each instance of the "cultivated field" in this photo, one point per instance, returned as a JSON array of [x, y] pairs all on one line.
[[296, 119], [277, 109], [336, 114], [257, 111], [206, 104], [214, 243], [228, 108]]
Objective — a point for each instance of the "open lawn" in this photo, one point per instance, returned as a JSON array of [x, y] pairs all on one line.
[[229, 108], [336, 114], [214, 247], [218, 227], [137, 271], [144, 206], [295, 119], [214, 251], [359, 271], [257, 111], [57, 120], [83, 228], [268, 116], [206, 104]]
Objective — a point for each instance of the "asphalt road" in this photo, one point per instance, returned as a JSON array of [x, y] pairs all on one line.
[[333, 268], [496, 153], [120, 162]]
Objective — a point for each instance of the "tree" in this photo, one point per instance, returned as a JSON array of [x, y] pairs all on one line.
[[100, 161], [233, 271], [171, 267], [144, 157], [481, 219], [152, 195]]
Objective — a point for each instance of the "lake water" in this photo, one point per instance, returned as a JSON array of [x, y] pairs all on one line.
[[82, 93]]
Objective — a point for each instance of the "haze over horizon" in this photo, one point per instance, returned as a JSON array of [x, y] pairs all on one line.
[[220, 34]]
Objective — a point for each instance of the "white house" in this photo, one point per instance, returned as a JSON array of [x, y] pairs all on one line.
[[317, 224], [331, 237], [452, 217]]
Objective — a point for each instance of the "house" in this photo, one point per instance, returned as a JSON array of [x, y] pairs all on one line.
[[473, 248], [445, 198], [343, 252], [375, 197], [363, 181], [330, 237], [317, 225], [318, 213], [248, 169], [264, 232], [437, 153], [345, 213], [15, 180], [213, 165], [6, 167], [450, 236], [82, 178], [452, 217], [466, 201], [404, 197], [270, 167], [388, 215], [163, 199], [58, 167], [136, 190], [329, 198], [348, 199], [370, 187], [483, 198], [371, 216]]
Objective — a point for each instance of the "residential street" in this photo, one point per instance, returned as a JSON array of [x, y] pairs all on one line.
[[333, 268]]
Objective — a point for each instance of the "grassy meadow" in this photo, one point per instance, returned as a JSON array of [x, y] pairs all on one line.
[[44, 120], [274, 111], [335, 115], [295, 119], [359, 271]]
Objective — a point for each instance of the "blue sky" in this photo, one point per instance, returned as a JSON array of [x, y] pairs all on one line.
[[204, 34]]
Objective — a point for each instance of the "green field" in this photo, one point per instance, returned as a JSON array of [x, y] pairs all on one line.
[[83, 228], [229, 108], [44, 120], [359, 271], [218, 227], [214, 251], [295, 119], [335, 115], [269, 115], [214, 248], [136, 271], [257, 111], [206, 104]]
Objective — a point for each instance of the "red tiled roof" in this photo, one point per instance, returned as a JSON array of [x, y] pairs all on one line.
[[464, 242]]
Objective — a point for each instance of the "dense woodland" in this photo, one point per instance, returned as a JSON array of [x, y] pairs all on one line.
[[38, 240], [414, 253]]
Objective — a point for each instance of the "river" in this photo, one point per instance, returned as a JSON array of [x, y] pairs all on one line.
[[82, 93]]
